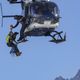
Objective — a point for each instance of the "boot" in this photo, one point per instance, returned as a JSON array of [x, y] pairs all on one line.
[[18, 53]]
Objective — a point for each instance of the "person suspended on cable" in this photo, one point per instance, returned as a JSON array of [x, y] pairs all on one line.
[[11, 42], [24, 23]]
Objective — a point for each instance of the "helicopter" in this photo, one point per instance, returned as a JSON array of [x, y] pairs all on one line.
[[42, 18]]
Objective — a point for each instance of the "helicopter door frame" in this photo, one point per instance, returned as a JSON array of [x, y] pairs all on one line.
[[29, 10], [26, 11]]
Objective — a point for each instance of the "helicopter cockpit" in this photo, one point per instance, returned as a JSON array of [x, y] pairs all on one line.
[[47, 9]]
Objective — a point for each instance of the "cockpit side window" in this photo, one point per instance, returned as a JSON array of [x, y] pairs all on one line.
[[55, 9], [52, 7]]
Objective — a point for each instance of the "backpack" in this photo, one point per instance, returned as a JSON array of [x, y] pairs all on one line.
[[8, 38]]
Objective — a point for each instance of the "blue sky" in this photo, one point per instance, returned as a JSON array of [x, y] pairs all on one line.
[[42, 60]]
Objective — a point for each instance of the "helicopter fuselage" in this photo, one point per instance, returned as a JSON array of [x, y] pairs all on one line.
[[36, 29], [43, 18]]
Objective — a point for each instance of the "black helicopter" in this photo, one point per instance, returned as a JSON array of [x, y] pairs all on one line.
[[41, 17]]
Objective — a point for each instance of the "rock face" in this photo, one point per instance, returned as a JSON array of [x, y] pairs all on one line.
[[59, 78], [76, 77]]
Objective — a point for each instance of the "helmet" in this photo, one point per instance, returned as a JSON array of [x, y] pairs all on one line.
[[11, 26]]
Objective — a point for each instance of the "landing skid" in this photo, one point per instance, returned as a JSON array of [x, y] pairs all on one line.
[[57, 37]]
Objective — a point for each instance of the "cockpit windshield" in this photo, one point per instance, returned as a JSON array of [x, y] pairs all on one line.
[[44, 8]]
